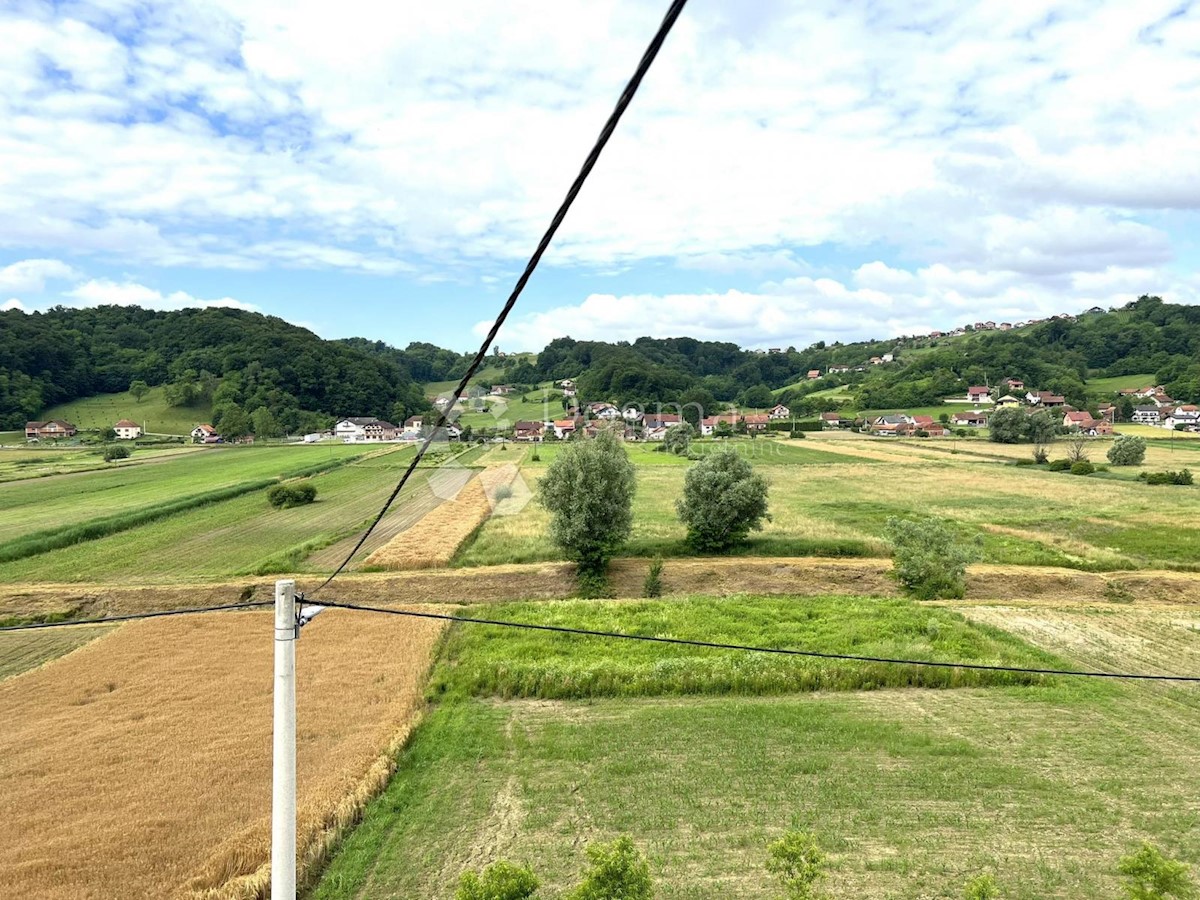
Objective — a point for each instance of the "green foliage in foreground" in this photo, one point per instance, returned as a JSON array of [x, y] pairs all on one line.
[[1151, 876], [1183, 476], [515, 663], [499, 881], [618, 872], [723, 501], [588, 490], [116, 451], [930, 560], [797, 861], [982, 887]]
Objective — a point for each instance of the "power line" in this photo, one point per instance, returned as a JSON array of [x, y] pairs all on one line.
[[31, 626], [588, 164], [785, 651]]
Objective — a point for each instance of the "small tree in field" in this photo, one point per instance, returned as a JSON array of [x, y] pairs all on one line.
[[1127, 450], [678, 439], [618, 872], [1151, 876], [1040, 428], [115, 452], [588, 491], [139, 389], [797, 861], [1077, 449], [499, 881], [929, 560], [723, 501], [1005, 426]]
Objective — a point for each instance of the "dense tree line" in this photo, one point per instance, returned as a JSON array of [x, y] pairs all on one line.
[[241, 360]]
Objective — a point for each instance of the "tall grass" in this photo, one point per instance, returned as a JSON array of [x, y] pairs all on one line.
[[485, 661]]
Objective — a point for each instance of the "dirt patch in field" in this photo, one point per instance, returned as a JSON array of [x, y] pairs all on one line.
[[140, 764]]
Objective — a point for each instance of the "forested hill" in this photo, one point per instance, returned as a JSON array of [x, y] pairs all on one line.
[[1146, 335], [241, 361]]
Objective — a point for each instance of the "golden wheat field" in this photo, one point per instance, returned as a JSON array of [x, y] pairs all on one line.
[[140, 765]]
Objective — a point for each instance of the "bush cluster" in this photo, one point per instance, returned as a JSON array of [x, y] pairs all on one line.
[[1184, 476], [1082, 467], [929, 560], [723, 501], [284, 496], [1060, 465], [116, 451], [1127, 450]]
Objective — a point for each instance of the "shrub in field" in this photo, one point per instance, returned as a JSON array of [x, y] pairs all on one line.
[[1151, 876], [1077, 448], [678, 439], [618, 872], [499, 881], [652, 587], [285, 496], [1127, 450], [503, 492], [982, 887], [1026, 462], [535, 456], [723, 501], [1082, 467], [588, 491], [1184, 476], [929, 559], [1041, 455], [796, 435], [1006, 426], [1060, 465], [797, 861], [116, 451]]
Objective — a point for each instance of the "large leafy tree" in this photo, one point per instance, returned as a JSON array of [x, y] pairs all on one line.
[[724, 499], [588, 490]]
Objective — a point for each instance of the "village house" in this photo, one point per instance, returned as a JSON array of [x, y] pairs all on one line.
[[1147, 415], [567, 383], [708, 425], [1008, 401], [1162, 401], [1006, 326], [979, 394], [1148, 391], [205, 434], [1107, 411], [876, 360], [603, 411], [501, 390], [835, 370], [631, 414], [127, 430], [973, 419], [569, 391], [1187, 416], [888, 357], [655, 425], [1081, 420], [565, 428], [1045, 399], [831, 420], [364, 428], [55, 428], [440, 403], [756, 424], [779, 411], [528, 431], [1015, 384], [814, 374], [892, 425]]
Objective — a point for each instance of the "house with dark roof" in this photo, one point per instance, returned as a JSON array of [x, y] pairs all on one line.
[[55, 428]]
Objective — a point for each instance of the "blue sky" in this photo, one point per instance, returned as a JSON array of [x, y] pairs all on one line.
[[791, 171]]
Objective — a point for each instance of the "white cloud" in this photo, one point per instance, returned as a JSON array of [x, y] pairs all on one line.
[[31, 275], [14, 303], [880, 302], [102, 291]]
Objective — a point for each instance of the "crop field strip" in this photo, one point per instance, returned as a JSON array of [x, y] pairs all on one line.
[[139, 765], [21, 651], [27, 464], [237, 536]]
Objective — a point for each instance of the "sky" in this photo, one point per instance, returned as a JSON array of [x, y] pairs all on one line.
[[790, 171]]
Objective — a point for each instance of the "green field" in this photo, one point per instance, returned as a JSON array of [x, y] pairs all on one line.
[[826, 502], [1104, 388], [502, 412], [34, 461], [910, 790], [153, 413], [21, 651]]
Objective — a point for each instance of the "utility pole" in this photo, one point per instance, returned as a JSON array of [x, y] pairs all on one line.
[[283, 788]]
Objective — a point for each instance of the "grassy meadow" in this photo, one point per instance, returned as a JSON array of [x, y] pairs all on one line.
[[153, 413], [832, 497], [540, 744]]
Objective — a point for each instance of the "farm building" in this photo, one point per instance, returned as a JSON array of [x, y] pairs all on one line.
[[127, 430], [55, 428], [206, 434]]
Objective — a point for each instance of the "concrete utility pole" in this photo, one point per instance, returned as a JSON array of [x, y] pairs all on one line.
[[283, 797]]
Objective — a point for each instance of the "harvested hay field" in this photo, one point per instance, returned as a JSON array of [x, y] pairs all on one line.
[[140, 764], [432, 542]]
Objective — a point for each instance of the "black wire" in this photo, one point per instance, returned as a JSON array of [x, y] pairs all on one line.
[[609, 127], [149, 615], [713, 645]]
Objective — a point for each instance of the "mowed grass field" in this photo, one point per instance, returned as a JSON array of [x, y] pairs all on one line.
[[18, 463], [140, 764], [152, 413], [541, 744], [832, 497]]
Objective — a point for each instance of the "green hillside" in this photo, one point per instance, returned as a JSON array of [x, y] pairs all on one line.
[[153, 413]]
